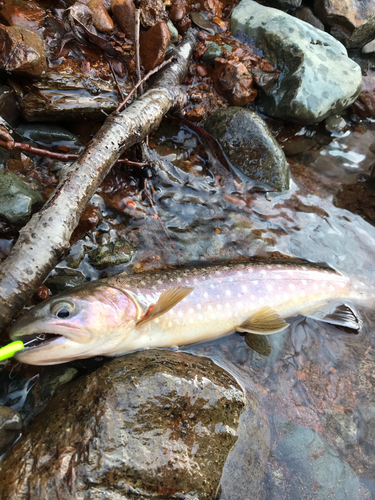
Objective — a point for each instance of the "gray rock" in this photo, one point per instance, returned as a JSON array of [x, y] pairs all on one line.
[[335, 124], [10, 427], [214, 50], [112, 254], [64, 279], [307, 455], [307, 15], [343, 429], [352, 21], [369, 48], [153, 424], [284, 4], [249, 145], [317, 78], [173, 31], [17, 200]]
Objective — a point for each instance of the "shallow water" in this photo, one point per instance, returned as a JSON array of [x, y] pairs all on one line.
[[316, 389]]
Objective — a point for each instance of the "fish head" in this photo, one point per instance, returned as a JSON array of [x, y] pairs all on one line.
[[86, 321]]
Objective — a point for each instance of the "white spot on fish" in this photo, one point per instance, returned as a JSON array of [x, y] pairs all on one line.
[[244, 288], [180, 314], [154, 287], [160, 282], [303, 294], [228, 292], [250, 270], [261, 300], [240, 273], [239, 305], [252, 297], [341, 285], [205, 295], [219, 306], [209, 308], [213, 316], [263, 271], [269, 288], [179, 280], [278, 277], [212, 286], [191, 320], [218, 296], [170, 324], [286, 296], [199, 306], [255, 282], [203, 278], [191, 310], [143, 282], [331, 288], [279, 265], [292, 286], [200, 316], [315, 286], [156, 320], [304, 268], [195, 280], [304, 282], [217, 272], [231, 280], [227, 305]]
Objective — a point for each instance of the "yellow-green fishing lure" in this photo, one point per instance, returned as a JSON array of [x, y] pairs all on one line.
[[10, 350]]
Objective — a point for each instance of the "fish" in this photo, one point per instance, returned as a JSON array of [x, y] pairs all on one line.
[[177, 307]]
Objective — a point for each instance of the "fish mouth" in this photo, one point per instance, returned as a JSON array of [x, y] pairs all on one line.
[[38, 340]]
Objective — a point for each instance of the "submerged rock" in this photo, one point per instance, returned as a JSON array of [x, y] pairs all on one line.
[[124, 12], [364, 106], [249, 145], [10, 427], [17, 200], [307, 15], [21, 50], [25, 13], [153, 45], [111, 254], [352, 21], [317, 77], [233, 80], [47, 135], [153, 424], [313, 470]]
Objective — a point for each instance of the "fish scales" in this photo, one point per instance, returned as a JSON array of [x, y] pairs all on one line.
[[177, 307]]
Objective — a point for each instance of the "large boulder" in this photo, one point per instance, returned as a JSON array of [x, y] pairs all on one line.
[[249, 145], [351, 21], [153, 424], [317, 78]]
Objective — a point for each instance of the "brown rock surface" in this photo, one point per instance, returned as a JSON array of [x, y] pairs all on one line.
[[27, 14], [100, 17], [178, 10], [153, 424], [233, 80], [364, 106], [153, 45], [152, 12], [123, 12], [21, 50]]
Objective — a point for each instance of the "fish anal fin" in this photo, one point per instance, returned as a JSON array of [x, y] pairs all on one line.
[[168, 299], [263, 322], [258, 343], [342, 316]]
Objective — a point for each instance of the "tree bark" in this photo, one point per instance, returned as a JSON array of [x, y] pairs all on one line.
[[45, 240]]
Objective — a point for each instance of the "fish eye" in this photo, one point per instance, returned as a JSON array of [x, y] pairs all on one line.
[[63, 310]]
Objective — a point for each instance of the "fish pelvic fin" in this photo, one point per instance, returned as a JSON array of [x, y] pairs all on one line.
[[258, 343], [263, 322], [168, 299]]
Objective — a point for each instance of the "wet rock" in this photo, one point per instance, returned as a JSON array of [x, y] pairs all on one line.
[[317, 77], [183, 25], [123, 12], [233, 80], [364, 106], [10, 427], [214, 7], [17, 200], [249, 145], [307, 15], [112, 254], [47, 135], [88, 221], [21, 50], [27, 14], [178, 10], [100, 17], [67, 96], [343, 429], [352, 21], [9, 106], [153, 45], [203, 21], [214, 50], [152, 12], [162, 428], [309, 456], [284, 4], [335, 124], [64, 279]]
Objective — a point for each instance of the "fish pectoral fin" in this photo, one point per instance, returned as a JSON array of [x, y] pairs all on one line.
[[168, 299], [342, 315], [264, 321], [258, 343]]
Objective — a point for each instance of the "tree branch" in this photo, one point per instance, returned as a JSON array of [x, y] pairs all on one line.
[[44, 241]]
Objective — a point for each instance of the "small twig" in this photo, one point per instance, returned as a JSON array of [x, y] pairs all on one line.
[[119, 91], [158, 218], [136, 46], [150, 73], [26, 148]]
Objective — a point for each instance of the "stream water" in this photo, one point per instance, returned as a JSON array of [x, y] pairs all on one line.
[[316, 389]]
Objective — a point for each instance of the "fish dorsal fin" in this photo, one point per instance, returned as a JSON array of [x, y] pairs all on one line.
[[168, 299], [264, 321], [258, 343], [342, 315]]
